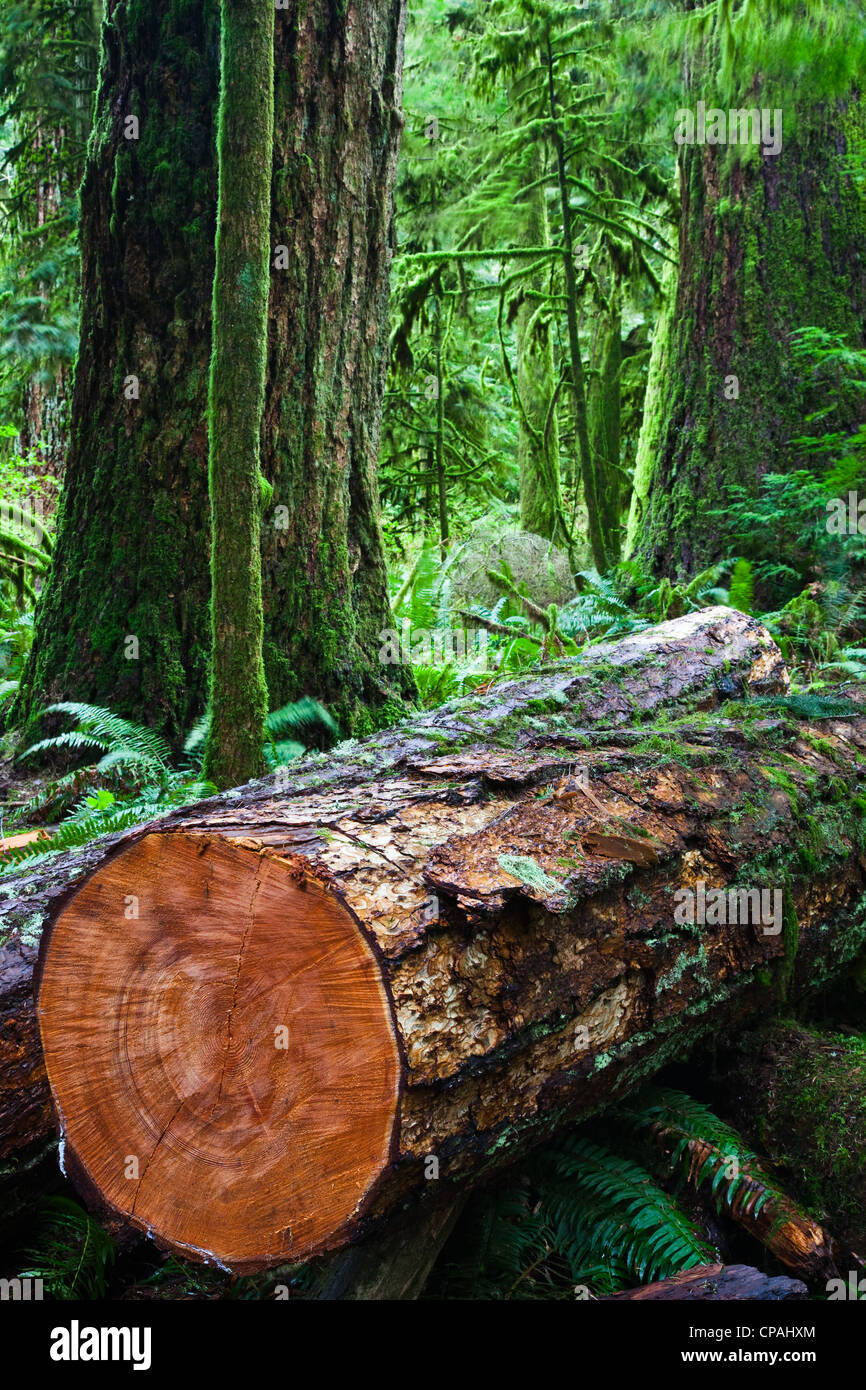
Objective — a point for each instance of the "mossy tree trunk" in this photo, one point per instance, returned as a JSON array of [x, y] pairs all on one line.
[[123, 619], [604, 414], [578, 376], [338, 92], [648, 438], [538, 441], [768, 244], [532, 963], [238, 696], [439, 446], [132, 554]]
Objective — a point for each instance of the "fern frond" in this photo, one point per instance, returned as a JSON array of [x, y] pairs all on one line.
[[304, 719], [101, 728], [279, 754], [72, 1253], [604, 1206], [706, 1149], [197, 738], [73, 738]]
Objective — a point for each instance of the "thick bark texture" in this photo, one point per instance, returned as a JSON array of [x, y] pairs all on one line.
[[338, 94], [768, 244], [492, 933], [124, 616], [132, 551]]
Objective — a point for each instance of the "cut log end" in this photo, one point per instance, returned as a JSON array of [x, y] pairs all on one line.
[[221, 1049]]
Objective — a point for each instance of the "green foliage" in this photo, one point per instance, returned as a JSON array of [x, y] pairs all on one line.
[[610, 1216], [583, 1215], [806, 578], [489, 73], [803, 706], [72, 1253], [705, 1150], [296, 727], [291, 731], [48, 59], [16, 638], [598, 611], [133, 781], [124, 743], [26, 543], [591, 1215], [741, 592], [423, 603]]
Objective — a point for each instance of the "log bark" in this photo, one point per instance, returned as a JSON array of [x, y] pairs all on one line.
[[716, 1284], [430, 949], [394, 1263]]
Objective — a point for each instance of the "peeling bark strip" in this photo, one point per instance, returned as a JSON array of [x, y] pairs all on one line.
[[716, 1284], [457, 969]]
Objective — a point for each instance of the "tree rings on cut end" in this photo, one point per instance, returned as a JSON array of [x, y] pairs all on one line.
[[221, 1050]]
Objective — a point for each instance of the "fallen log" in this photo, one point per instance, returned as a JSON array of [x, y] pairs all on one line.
[[277, 1018], [715, 1284], [11, 842], [395, 1263]]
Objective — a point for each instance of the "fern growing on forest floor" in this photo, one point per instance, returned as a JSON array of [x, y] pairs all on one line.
[[291, 730], [134, 781], [584, 1216], [72, 1252], [588, 1216]]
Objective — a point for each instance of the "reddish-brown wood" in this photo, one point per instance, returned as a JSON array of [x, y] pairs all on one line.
[[16, 841], [221, 1049]]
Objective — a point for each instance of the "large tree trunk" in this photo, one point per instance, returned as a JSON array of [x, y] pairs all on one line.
[[123, 619], [588, 477], [767, 245], [338, 110], [132, 552], [604, 408], [274, 1020]]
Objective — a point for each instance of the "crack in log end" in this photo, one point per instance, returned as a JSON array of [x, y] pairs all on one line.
[[248, 926], [242, 1021]]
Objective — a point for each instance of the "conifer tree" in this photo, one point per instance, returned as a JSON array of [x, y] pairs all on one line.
[[770, 242]]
